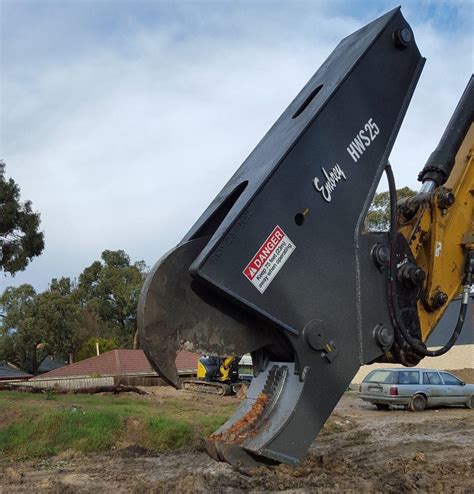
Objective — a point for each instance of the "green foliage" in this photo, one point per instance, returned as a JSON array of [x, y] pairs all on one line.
[[37, 325], [88, 349], [53, 432], [168, 432], [20, 336], [378, 217], [109, 289], [20, 238], [64, 286], [66, 320], [50, 394], [59, 319], [41, 426], [210, 423]]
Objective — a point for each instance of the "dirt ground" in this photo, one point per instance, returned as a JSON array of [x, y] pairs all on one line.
[[362, 450]]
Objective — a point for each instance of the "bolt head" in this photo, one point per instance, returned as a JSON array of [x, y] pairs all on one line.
[[384, 336], [405, 35], [402, 37], [380, 255], [445, 199], [439, 299], [315, 334], [419, 276]]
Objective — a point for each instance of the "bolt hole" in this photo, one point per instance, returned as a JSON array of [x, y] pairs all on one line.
[[299, 219]]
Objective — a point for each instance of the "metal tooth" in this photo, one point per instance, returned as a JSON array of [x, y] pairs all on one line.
[[273, 387], [227, 446], [260, 410], [235, 455]]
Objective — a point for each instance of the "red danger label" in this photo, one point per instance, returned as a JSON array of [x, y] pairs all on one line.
[[269, 259]]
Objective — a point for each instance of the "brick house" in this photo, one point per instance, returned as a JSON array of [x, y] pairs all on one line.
[[130, 367]]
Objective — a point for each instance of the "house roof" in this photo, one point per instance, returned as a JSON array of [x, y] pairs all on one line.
[[8, 372], [50, 364], [119, 363], [186, 362]]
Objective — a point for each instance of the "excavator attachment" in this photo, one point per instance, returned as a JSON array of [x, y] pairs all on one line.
[[281, 265]]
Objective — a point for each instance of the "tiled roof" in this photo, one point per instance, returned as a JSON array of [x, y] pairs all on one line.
[[186, 362], [8, 373], [50, 364], [119, 363]]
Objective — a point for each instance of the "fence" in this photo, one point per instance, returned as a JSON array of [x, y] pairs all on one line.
[[71, 383], [89, 382], [139, 381]]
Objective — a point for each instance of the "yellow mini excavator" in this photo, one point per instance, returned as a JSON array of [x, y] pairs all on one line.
[[215, 375], [281, 266]]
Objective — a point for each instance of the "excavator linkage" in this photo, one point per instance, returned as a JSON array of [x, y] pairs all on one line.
[[281, 265]]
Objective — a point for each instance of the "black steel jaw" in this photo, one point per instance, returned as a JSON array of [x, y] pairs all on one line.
[[280, 264]]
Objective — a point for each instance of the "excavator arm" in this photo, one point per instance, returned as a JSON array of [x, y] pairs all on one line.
[[438, 223], [280, 264]]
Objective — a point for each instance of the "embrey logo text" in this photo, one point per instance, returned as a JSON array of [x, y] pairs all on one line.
[[332, 178]]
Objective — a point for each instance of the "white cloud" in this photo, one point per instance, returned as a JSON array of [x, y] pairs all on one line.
[[125, 145]]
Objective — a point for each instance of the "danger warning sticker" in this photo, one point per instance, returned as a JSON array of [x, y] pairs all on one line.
[[269, 259]]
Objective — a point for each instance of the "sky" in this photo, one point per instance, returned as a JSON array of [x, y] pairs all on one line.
[[121, 120]]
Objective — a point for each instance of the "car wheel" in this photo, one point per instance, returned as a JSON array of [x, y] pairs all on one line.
[[418, 403], [382, 406], [470, 403]]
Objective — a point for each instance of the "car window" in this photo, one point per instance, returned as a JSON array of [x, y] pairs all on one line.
[[449, 379], [409, 377], [432, 378], [381, 376]]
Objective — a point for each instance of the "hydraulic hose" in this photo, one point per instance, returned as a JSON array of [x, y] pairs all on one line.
[[417, 345]]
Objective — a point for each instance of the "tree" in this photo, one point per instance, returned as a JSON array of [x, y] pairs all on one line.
[[69, 317], [21, 340], [64, 286], [20, 238], [35, 326], [378, 217], [89, 349], [60, 320], [110, 289]]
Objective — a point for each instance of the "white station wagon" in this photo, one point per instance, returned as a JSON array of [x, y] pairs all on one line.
[[417, 389]]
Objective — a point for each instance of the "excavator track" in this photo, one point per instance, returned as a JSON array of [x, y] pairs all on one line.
[[214, 388]]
